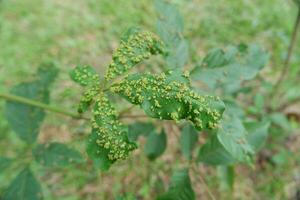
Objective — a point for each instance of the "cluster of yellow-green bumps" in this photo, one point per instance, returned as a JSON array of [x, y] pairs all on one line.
[[111, 133], [163, 96], [132, 50]]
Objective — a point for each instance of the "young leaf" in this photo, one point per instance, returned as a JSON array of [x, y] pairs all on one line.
[[56, 155], [26, 120], [169, 27], [226, 177], [85, 76], [25, 187], [155, 144], [139, 128], [213, 153], [258, 133], [180, 187], [233, 68], [4, 163], [136, 46], [109, 138], [169, 96], [188, 140]]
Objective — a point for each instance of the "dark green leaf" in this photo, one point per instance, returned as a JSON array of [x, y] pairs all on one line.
[[188, 140], [26, 120], [24, 187], [4, 163], [258, 133], [213, 153], [155, 144], [47, 73], [215, 58], [226, 177], [169, 96], [180, 187], [85, 76], [56, 155], [139, 128]]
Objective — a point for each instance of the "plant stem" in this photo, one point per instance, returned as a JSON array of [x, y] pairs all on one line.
[[23, 100], [286, 66]]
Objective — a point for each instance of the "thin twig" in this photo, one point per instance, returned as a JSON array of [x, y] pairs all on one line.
[[286, 66], [30, 102]]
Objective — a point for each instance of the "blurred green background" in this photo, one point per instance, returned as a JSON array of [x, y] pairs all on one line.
[[72, 32]]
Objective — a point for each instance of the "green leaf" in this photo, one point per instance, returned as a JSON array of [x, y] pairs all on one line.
[[139, 128], [169, 27], [24, 187], [26, 120], [108, 141], [136, 46], [155, 144], [233, 136], [213, 153], [170, 97], [85, 76], [4, 163], [180, 187], [226, 177], [258, 133], [215, 58], [233, 68], [280, 120], [188, 140], [56, 155], [297, 2]]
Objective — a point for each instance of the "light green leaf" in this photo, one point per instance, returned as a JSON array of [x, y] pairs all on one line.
[[169, 96], [233, 136], [139, 128], [280, 120], [258, 133], [180, 187], [188, 140], [24, 187], [85, 76], [4, 163], [56, 155], [226, 177], [136, 46], [26, 120], [213, 153], [170, 28], [234, 70], [155, 144]]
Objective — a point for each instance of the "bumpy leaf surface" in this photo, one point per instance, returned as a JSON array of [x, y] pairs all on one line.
[[169, 96], [136, 46]]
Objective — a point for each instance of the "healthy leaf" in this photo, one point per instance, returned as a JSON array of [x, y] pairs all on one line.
[[4, 163], [215, 58], [280, 120], [109, 139], [233, 136], [139, 128], [180, 187], [25, 187], [258, 133], [188, 140], [213, 153], [26, 120], [155, 144], [169, 27], [170, 97], [56, 155], [85, 76], [136, 46], [238, 66], [226, 177]]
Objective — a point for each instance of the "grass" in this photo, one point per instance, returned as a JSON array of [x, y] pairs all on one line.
[[73, 32]]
